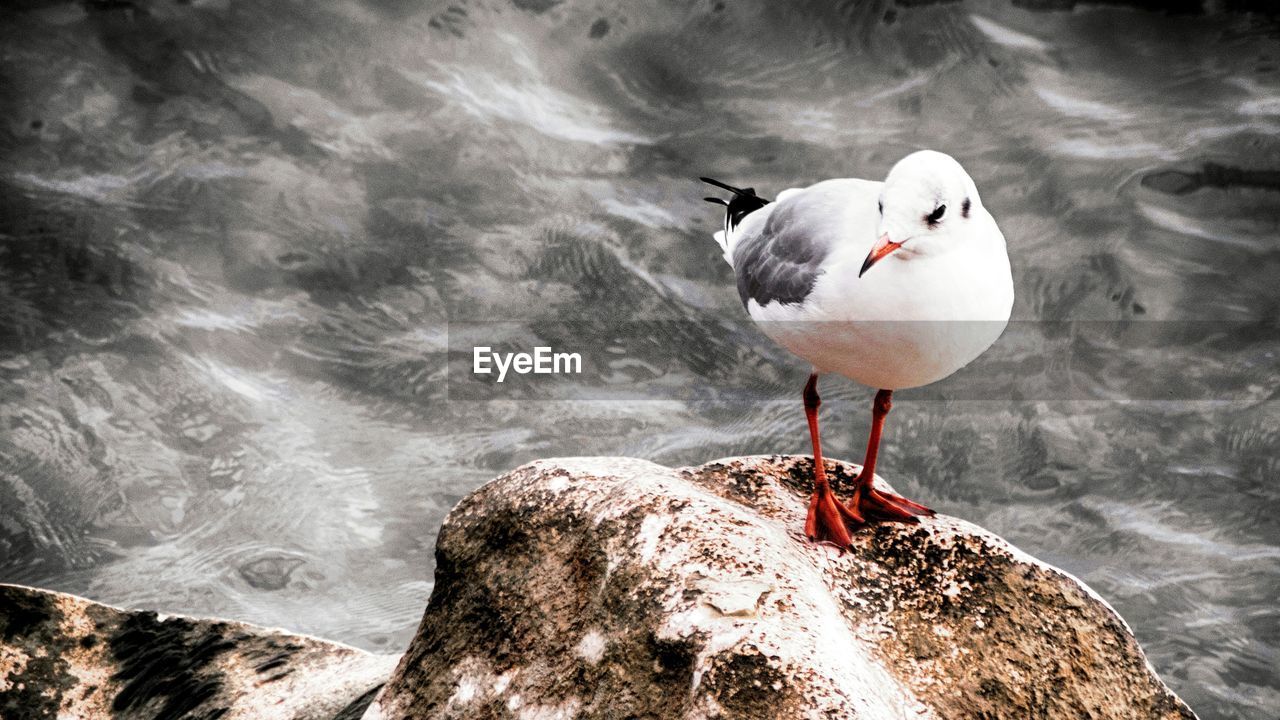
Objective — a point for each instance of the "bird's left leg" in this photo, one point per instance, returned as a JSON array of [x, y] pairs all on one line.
[[827, 515], [866, 500]]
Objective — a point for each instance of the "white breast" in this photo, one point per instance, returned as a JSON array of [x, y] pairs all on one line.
[[909, 321]]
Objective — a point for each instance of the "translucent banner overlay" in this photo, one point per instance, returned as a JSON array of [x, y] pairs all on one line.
[[664, 360]]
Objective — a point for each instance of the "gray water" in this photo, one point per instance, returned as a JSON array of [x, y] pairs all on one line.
[[247, 246]]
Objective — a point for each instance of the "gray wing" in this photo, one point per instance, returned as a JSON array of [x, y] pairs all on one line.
[[782, 260]]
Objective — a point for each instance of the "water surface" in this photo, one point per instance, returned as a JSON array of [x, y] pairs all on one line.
[[241, 240]]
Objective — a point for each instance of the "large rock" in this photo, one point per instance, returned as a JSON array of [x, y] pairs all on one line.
[[66, 657], [614, 588]]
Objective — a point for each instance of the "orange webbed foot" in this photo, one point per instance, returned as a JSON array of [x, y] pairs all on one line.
[[876, 504], [828, 519]]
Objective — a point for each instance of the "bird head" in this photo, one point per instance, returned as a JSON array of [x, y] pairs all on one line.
[[925, 206]]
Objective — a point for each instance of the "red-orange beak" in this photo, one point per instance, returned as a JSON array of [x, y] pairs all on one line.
[[879, 251]]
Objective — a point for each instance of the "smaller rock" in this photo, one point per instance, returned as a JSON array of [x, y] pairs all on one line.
[[66, 657]]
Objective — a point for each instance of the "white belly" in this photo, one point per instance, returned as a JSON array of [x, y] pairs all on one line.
[[887, 355], [908, 322]]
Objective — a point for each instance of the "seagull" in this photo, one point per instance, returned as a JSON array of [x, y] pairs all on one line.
[[892, 284]]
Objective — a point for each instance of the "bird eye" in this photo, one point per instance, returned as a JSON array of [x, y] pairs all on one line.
[[933, 217], [881, 204]]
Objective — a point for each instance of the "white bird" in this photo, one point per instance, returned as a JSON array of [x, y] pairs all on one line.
[[893, 284]]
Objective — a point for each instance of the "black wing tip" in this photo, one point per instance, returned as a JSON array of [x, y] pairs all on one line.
[[722, 186], [740, 192], [727, 186], [744, 202]]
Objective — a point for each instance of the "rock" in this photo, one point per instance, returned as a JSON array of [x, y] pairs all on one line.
[[611, 588], [66, 657], [616, 588]]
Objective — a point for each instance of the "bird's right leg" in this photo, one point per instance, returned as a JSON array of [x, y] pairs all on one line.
[[827, 515]]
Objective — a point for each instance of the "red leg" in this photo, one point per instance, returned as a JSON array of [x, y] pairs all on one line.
[[827, 515], [872, 503]]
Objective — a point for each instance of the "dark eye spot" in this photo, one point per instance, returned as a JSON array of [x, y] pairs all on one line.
[[934, 217], [964, 208], [881, 204]]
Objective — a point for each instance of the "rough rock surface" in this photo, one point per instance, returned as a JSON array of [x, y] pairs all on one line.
[[613, 588], [66, 657]]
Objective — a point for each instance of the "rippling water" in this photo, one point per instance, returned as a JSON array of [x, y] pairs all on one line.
[[237, 236]]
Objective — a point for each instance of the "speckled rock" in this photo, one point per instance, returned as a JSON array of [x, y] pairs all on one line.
[[616, 588], [66, 657]]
